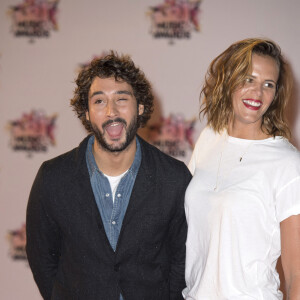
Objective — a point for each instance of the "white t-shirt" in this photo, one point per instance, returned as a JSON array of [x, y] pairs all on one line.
[[233, 208], [114, 182]]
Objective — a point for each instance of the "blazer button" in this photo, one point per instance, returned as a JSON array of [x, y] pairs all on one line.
[[117, 267]]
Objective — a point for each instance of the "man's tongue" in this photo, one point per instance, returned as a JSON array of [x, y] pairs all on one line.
[[114, 130]]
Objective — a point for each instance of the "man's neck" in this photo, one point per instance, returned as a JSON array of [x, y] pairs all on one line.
[[114, 163]]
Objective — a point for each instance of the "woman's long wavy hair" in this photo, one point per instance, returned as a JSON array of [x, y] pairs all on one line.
[[228, 72], [122, 68]]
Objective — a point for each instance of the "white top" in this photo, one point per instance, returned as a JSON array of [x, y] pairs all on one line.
[[233, 210], [114, 182]]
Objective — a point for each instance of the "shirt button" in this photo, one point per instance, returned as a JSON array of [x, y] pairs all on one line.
[[113, 222], [119, 195], [107, 194]]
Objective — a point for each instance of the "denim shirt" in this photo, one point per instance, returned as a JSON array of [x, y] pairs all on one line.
[[112, 212]]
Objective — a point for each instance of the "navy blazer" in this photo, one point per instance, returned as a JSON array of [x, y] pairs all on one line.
[[67, 247]]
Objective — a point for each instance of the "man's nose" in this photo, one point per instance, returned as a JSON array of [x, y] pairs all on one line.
[[111, 109]]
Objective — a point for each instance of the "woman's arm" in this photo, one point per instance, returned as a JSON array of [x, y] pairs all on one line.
[[290, 255]]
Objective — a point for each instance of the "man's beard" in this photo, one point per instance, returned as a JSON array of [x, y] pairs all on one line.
[[131, 131]]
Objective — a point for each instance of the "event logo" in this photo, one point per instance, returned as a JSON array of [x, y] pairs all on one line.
[[34, 18], [174, 136], [175, 19], [17, 243], [33, 132]]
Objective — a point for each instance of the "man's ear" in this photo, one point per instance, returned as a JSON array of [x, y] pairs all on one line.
[[87, 115], [141, 109]]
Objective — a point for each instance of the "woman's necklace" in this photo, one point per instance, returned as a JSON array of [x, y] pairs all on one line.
[[218, 182]]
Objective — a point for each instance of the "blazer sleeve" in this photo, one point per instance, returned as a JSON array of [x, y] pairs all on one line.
[[43, 238], [177, 240]]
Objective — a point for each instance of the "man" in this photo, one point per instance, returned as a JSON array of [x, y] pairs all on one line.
[[106, 220]]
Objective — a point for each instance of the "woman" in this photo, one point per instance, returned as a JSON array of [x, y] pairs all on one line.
[[243, 203]]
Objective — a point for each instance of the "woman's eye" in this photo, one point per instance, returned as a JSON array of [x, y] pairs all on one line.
[[270, 85], [249, 80]]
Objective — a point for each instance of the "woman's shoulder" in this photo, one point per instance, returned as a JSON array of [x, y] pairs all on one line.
[[285, 150], [208, 141], [284, 159], [208, 134]]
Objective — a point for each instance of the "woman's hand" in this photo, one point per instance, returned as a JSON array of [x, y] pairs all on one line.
[[290, 255]]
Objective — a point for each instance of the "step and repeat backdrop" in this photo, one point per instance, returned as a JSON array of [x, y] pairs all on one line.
[[45, 43]]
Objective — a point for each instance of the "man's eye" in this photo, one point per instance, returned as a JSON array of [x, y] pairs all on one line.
[[122, 101], [99, 101]]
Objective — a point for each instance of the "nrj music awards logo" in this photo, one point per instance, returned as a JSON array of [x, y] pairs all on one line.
[[34, 18], [33, 132], [17, 242], [174, 136], [175, 19]]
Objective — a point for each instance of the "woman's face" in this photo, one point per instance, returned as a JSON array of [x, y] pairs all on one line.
[[254, 97]]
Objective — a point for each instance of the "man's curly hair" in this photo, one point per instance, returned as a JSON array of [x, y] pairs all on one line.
[[120, 67]]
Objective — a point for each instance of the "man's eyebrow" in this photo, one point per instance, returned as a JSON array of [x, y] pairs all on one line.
[[96, 93], [117, 93], [123, 92]]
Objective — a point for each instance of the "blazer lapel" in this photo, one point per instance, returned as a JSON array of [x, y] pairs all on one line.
[[143, 186], [82, 185]]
